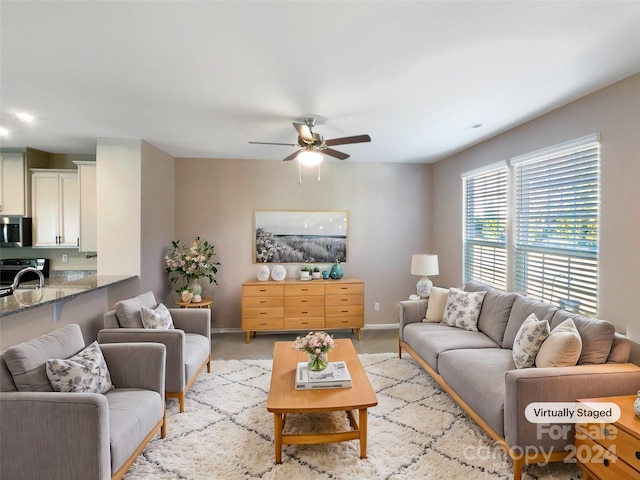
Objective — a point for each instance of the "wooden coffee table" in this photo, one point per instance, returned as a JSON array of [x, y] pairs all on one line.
[[284, 398]]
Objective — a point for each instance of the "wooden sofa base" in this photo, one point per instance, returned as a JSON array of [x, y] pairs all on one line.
[[181, 395], [519, 461], [161, 427]]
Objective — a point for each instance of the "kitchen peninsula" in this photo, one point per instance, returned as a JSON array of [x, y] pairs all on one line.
[[56, 289]]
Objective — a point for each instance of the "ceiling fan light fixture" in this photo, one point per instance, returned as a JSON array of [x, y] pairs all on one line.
[[310, 158]]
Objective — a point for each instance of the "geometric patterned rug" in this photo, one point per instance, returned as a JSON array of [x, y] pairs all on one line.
[[415, 431]]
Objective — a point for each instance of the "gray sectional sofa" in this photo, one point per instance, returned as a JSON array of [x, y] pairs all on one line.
[[477, 369]]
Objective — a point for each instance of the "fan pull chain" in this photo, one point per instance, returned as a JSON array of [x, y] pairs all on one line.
[[299, 174], [319, 171]]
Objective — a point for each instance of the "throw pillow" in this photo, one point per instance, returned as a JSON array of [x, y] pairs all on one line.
[[437, 302], [160, 318], [462, 309], [561, 348], [128, 311], [86, 371], [528, 341]]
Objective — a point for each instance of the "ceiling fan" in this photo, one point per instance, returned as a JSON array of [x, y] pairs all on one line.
[[312, 144]]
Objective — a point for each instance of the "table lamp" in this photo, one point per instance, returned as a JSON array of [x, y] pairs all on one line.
[[424, 264]]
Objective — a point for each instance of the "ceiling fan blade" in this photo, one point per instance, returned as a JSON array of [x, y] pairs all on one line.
[[346, 140], [335, 153], [271, 143], [292, 156], [304, 131]]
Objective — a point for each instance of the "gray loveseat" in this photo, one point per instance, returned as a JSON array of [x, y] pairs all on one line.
[[77, 436], [477, 369]]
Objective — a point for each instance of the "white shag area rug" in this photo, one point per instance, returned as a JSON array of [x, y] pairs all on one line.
[[415, 431]]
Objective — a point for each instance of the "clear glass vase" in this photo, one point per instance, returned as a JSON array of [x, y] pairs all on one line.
[[317, 362], [196, 289]]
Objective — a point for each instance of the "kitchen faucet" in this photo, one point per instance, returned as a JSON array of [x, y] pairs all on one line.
[[16, 280]]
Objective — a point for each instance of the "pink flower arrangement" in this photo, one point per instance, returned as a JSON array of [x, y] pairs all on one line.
[[315, 343]]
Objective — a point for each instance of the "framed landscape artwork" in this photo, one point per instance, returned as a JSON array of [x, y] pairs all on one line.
[[300, 236]]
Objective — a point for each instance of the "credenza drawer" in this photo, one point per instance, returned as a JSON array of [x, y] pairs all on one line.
[[262, 290], [304, 289], [602, 462], [303, 312], [344, 322], [314, 301], [344, 288], [344, 310], [613, 438], [304, 323], [262, 312], [262, 302], [347, 299], [263, 323]]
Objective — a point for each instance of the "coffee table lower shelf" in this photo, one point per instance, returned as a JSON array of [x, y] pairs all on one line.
[[359, 432]]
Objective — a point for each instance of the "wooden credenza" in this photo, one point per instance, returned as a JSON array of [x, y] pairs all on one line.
[[610, 450], [302, 305]]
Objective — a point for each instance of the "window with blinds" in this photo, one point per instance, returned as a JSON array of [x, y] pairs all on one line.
[[485, 227], [556, 225]]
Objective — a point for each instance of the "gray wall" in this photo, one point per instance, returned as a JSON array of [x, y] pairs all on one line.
[[614, 112], [389, 219]]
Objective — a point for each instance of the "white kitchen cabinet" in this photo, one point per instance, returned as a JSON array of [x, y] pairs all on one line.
[[55, 208], [88, 206], [12, 185]]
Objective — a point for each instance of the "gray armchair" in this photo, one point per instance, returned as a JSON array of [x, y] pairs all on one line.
[[188, 345], [77, 436]]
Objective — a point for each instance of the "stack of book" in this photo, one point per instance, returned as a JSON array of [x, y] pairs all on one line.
[[336, 375]]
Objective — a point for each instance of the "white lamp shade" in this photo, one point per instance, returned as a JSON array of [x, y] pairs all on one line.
[[424, 264]]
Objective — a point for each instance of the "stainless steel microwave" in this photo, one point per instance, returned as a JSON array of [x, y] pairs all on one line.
[[15, 232]]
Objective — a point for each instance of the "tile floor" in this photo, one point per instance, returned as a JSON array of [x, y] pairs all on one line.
[[232, 345]]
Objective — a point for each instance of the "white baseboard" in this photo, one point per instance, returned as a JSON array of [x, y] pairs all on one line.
[[371, 326]]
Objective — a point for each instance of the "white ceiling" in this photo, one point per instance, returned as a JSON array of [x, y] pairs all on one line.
[[201, 79]]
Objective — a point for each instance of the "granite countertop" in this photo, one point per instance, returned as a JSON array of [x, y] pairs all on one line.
[[56, 288]]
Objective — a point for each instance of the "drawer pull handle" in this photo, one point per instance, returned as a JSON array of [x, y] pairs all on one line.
[[344, 300], [304, 301], [606, 432], [263, 313], [304, 289], [304, 323], [304, 313], [638, 455], [344, 321], [345, 311], [344, 288], [606, 462], [263, 324], [263, 301], [263, 289]]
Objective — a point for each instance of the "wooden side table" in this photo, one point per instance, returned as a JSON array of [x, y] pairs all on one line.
[[610, 450], [204, 303]]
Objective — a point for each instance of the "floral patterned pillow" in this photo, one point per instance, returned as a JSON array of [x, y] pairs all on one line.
[[86, 371], [159, 319], [529, 340], [463, 309]]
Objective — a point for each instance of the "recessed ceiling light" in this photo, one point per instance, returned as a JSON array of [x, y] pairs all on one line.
[[25, 117], [4, 132]]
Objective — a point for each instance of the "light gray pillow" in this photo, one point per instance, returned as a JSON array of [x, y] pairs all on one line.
[[528, 341], [85, 372], [463, 309], [128, 311], [159, 319]]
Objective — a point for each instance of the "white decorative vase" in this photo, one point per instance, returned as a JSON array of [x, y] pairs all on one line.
[[636, 405], [278, 273], [263, 273], [196, 288]]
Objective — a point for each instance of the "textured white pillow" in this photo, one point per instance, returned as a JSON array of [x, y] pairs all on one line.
[[86, 371], [463, 309], [159, 319], [528, 341], [562, 348], [437, 302]]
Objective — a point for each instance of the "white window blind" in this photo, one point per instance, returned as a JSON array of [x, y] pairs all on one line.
[[556, 226], [485, 227]]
